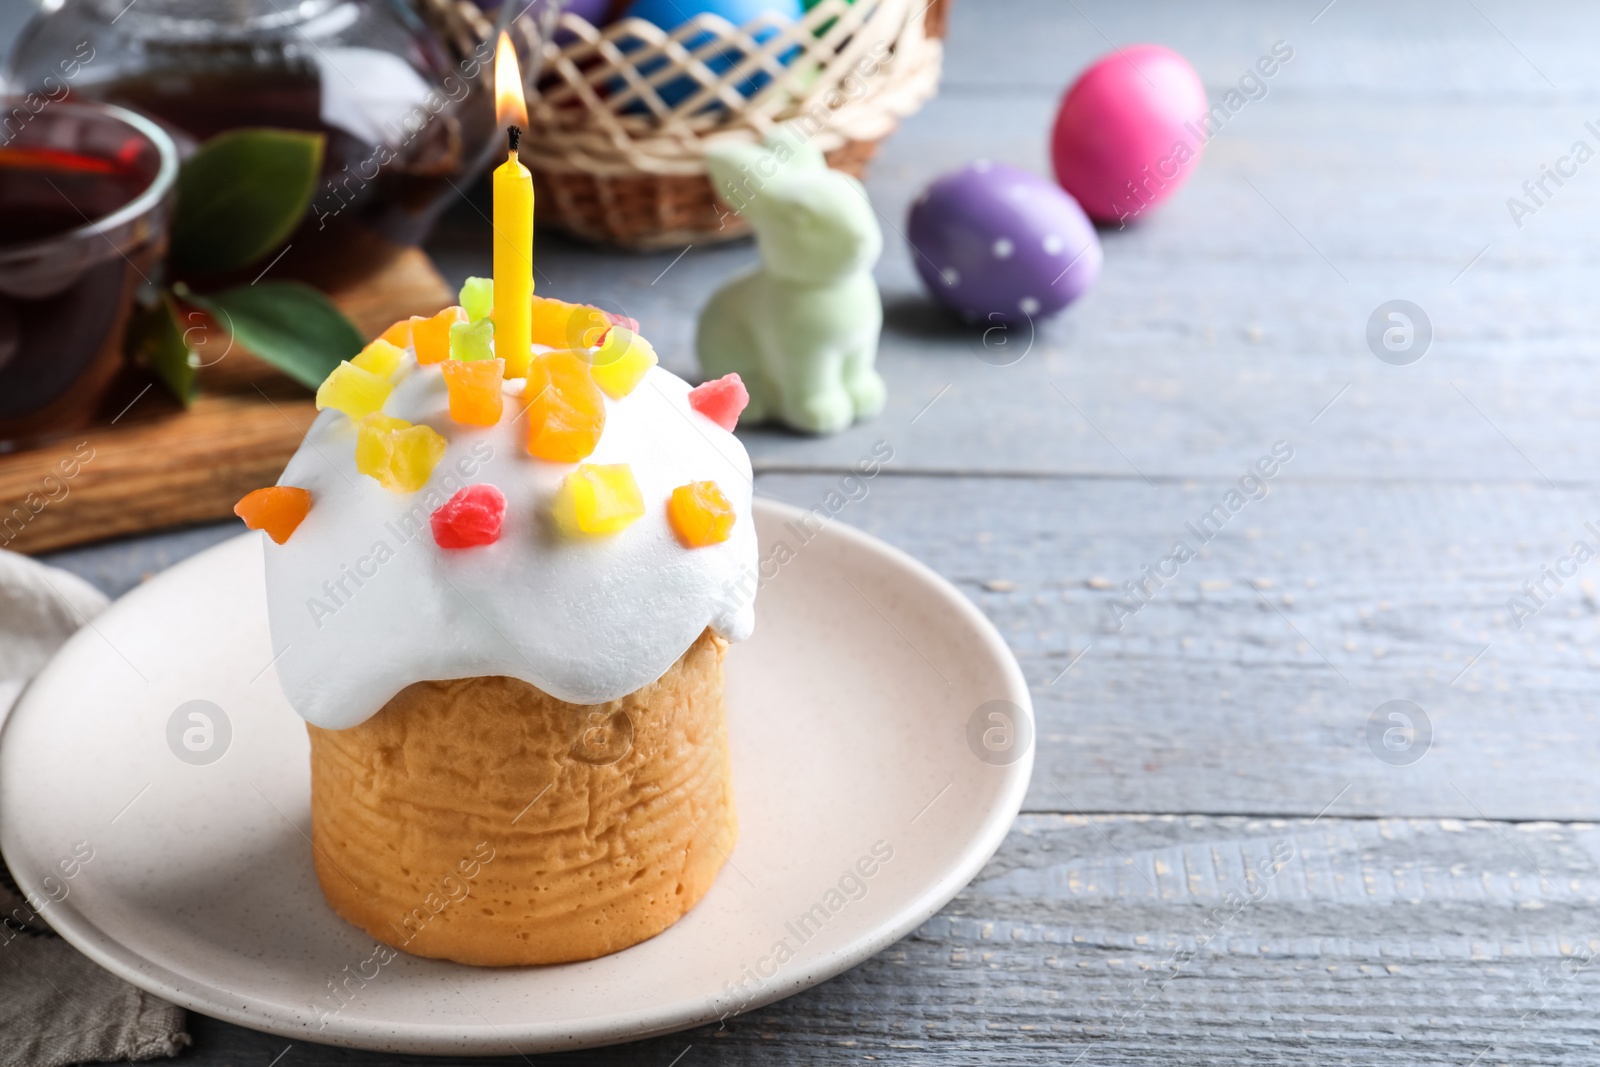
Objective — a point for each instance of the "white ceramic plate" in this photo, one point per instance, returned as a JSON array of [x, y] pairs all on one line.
[[850, 713]]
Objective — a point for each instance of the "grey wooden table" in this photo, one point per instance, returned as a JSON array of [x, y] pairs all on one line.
[[1435, 905]]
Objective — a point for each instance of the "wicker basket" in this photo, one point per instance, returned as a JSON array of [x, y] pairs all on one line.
[[615, 162]]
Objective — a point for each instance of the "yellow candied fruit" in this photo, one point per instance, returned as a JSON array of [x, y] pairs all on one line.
[[353, 390], [700, 514], [380, 357], [431, 336], [476, 390], [566, 411], [562, 325], [620, 363], [399, 455], [598, 498], [398, 335]]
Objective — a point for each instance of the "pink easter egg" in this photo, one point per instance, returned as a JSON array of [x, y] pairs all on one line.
[[1129, 131]]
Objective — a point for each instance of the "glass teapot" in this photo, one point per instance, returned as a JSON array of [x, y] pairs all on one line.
[[408, 115]]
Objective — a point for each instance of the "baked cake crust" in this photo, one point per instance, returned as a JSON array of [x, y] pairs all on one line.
[[484, 821]]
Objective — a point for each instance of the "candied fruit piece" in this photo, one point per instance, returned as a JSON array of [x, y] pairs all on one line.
[[566, 411], [353, 390], [277, 509], [380, 357], [431, 336], [477, 298], [622, 320], [700, 515], [470, 340], [620, 363], [721, 400], [470, 518], [398, 335], [562, 325], [598, 498], [399, 455], [476, 390]]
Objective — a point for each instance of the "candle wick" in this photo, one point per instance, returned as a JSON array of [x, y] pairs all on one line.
[[513, 135]]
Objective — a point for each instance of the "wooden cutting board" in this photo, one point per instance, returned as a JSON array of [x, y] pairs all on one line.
[[157, 465]]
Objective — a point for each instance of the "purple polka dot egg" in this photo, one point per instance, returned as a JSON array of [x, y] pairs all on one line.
[[995, 243]]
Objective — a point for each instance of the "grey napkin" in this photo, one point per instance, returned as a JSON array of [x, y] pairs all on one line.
[[56, 1007]]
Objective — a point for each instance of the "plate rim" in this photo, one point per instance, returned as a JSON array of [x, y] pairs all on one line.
[[403, 1036]]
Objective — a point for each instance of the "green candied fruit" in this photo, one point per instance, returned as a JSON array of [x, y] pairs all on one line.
[[470, 340], [477, 296]]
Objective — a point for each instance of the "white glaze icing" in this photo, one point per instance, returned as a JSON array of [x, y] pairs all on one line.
[[362, 602]]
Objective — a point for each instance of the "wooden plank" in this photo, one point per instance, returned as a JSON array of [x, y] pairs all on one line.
[[1121, 939], [156, 465], [166, 469], [1216, 696], [1401, 48], [1247, 682]]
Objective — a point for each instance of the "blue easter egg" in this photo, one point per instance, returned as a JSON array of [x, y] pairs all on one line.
[[670, 14]]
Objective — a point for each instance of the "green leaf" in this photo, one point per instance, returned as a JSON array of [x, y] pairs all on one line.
[[155, 339], [287, 324], [240, 196]]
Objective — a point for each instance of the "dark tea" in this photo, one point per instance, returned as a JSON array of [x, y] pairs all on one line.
[[44, 192], [82, 226]]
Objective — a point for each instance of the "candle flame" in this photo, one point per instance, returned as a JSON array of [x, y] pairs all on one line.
[[510, 105]]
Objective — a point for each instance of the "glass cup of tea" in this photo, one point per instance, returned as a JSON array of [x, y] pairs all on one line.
[[86, 196]]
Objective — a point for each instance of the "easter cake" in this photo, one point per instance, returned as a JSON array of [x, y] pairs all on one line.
[[500, 592]]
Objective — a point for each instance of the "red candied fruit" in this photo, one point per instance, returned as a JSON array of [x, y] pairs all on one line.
[[621, 320], [470, 518], [721, 400]]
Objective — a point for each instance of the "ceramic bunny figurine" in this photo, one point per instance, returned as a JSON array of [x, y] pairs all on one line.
[[801, 330]]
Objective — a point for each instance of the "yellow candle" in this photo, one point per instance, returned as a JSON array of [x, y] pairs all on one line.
[[513, 265], [513, 225]]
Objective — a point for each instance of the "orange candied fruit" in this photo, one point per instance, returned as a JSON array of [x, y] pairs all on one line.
[[431, 336], [700, 514], [398, 335], [562, 325], [476, 390], [277, 509], [566, 410]]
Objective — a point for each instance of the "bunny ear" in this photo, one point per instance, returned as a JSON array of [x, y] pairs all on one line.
[[731, 164]]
